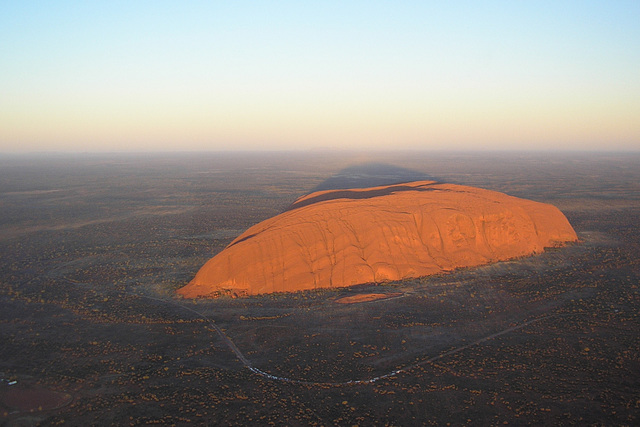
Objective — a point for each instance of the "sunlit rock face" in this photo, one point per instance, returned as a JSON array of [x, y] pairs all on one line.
[[339, 238]]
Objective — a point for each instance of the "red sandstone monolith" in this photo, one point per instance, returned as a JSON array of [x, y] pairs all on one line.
[[340, 238]]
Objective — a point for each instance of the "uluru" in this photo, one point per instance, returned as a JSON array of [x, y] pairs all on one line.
[[339, 238]]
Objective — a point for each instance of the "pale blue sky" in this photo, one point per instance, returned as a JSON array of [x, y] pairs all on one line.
[[159, 75]]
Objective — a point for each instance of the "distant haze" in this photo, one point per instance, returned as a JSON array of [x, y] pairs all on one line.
[[239, 75]]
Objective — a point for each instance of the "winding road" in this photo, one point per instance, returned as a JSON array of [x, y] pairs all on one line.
[[247, 363]]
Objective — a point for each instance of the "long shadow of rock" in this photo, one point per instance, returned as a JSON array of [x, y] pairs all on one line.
[[366, 175], [371, 175]]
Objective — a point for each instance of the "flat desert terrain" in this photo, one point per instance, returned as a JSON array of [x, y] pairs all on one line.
[[93, 247]]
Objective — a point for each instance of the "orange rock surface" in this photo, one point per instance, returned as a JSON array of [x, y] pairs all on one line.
[[339, 238]]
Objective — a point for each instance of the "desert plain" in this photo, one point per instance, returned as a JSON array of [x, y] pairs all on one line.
[[93, 248]]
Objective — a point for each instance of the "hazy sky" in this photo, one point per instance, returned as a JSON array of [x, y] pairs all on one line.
[[212, 75]]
